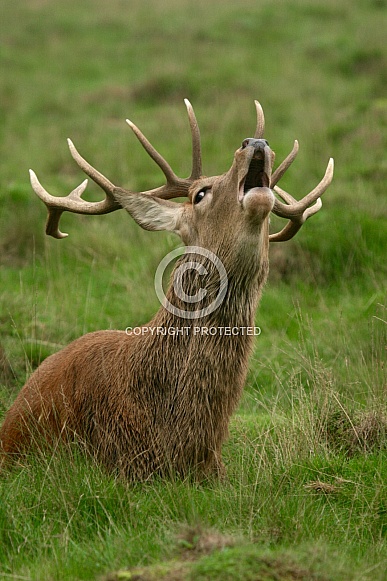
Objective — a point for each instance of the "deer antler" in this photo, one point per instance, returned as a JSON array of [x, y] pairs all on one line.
[[73, 202], [297, 211], [260, 129]]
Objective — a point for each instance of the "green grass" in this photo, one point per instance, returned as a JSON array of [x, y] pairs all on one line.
[[306, 493]]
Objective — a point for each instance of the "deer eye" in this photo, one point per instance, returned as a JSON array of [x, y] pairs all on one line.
[[200, 195]]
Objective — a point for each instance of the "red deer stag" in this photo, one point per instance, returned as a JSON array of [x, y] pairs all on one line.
[[160, 403]]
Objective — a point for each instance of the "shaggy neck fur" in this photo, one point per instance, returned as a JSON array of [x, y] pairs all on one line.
[[207, 376]]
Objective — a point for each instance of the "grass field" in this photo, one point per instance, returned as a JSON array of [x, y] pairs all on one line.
[[306, 494]]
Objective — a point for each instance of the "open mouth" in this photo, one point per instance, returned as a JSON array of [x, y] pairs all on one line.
[[256, 176]]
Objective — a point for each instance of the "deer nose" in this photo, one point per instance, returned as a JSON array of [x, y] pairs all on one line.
[[259, 144]]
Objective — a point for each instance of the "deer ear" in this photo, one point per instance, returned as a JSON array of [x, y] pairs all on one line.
[[150, 213]]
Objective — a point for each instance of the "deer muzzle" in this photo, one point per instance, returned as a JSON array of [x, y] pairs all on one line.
[[259, 169], [254, 186]]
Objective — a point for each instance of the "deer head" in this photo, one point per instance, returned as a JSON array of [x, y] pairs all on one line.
[[222, 211]]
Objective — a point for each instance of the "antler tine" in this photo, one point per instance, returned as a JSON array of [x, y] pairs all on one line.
[[170, 175], [54, 212], [175, 187], [285, 196], [299, 212], [281, 169], [73, 202], [295, 209], [293, 226], [196, 145], [89, 170], [260, 129]]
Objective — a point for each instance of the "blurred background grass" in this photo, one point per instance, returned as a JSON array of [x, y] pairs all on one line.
[[78, 69]]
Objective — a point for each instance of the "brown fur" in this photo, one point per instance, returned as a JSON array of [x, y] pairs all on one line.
[[160, 404]]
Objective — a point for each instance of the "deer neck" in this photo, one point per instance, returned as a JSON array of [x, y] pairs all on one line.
[[202, 362], [245, 276]]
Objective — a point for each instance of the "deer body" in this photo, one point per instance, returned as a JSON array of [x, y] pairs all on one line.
[[150, 403], [160, 403]]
